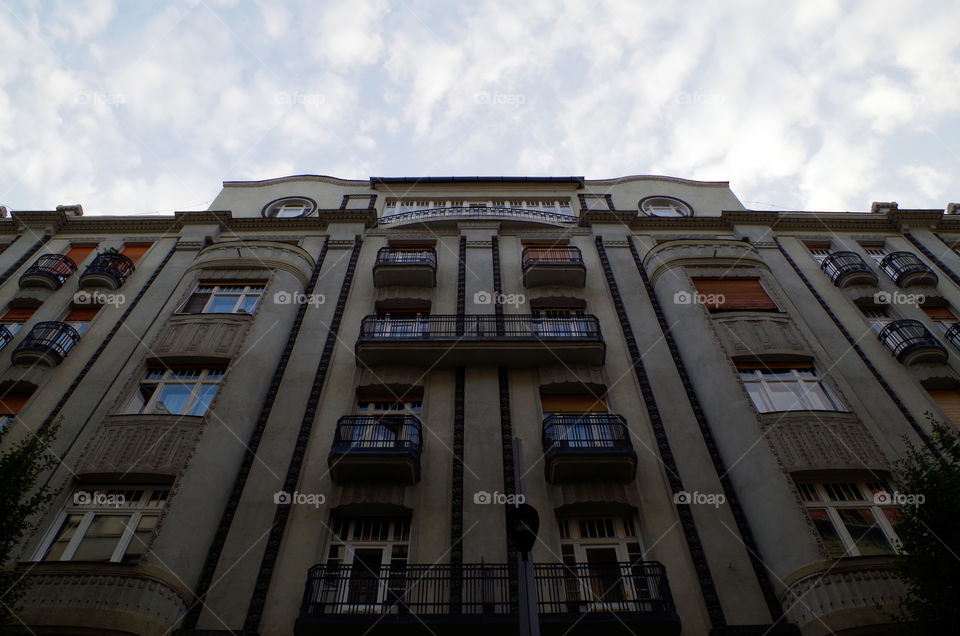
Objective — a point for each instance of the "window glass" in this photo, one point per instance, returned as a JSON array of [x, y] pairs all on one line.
[[863, 529], [173, 398], [101, 538]]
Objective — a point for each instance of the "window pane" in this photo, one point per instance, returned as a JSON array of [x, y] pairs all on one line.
[[173, 399], [783, 396], [866, 534], [249, 304], [204, 398], [195, 304], [139, 399], [816, 398], [222, 304], [755, 389], [66, 533], [828, 533], [101, 538], [140, 539]]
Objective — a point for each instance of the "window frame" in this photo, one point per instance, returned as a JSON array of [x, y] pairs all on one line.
[[796, 380], [167, 379], [307, 205], [866, 501], [213, 295], [679, 207]]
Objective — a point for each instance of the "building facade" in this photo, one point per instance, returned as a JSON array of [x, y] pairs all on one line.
[[316, 407]]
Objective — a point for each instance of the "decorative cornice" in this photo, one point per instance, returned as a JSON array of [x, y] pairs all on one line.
[[656, 177], [316, 178]]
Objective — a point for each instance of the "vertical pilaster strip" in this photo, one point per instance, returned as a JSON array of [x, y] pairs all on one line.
[[456, 493], [856, 347], [694, 545], [759, 570], [250, 452], [106, 340], [497, 285], [282, 515], [461, 285], [23, 259]]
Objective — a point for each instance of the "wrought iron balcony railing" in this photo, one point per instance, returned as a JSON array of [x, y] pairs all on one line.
[[564, 255], [953, 334], [377, 434], [437, 213], [481, 327], [111, 265], [475, 591], [54, 268], [846, 266], [5, 336], [395, 256], [585, 432], [905, 267], [907, 337], [53, 339]]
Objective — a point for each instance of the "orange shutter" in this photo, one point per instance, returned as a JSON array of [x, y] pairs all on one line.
[[556, 403], [135, 252], [79, 252], [949, 403], [733, 293], [81, 315], [18, 314], [11, 403], [939, 313]]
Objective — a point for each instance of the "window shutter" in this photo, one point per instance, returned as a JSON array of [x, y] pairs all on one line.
[[949, 403], [939, 313], [12, 403], [737, 293], [79, 252], [135, 252], [558, 403], [81, 315], [18, 314]]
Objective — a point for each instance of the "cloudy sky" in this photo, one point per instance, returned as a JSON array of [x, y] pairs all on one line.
[[133, 107]]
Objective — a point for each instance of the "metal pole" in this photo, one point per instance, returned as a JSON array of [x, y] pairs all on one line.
[[526, 582]]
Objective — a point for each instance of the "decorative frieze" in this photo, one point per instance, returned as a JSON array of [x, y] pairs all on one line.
[[147, 444], [757, 334], [202, 336], [822, 440]]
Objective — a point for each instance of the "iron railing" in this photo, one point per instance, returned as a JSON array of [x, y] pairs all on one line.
[[953, 334], [5, 336], [112, 264], [903, 336], [377, 433], [585, 432], [394, 256], [481, 326], [56, 338], [483, 589], [56, 267], [839, 264], [434, 213], [898, 265], [564, 255]]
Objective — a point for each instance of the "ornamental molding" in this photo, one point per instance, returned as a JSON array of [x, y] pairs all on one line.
[[201, 337], [822, 440], [141, 445]]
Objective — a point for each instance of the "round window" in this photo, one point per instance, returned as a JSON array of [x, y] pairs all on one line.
[[289, 207], [665, 206]]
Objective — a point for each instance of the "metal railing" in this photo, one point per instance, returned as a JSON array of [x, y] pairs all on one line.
[[5, 336], [56, 267], [395, 256], [112, 264], [481, 326], [483, 589], [640, 587], [56, 338], [838, 264], [565, 255], [377, 433], [565, 432], [953, 334], [902, 336], [897, 265], [435, 213]]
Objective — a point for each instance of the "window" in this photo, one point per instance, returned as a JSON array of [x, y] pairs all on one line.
[[80, 319], [665, 206], [289, 207], [786, 387], [949, 402], [105, 525], [236, 298], [399, 322], [181, 391], [876, 317], [360, 549], [849, 519], [876, 252], [730, 294], [10, 405], [571, 403], [560, 322], [358, 201], [135, 251], [941, 316], [595, 202], [603, 556], [78, 253], [819, 251], [15, 317]]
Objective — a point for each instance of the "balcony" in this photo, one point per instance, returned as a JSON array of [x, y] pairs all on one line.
[[910, 341], [379, 447], [553, 266], [485, 212], [475, 598], [5, 336], [847, 268], [415, 268], [109, 269], [520, 340], [953, 334], [587, 445], [906, 270], [47, 343], [49, 271]]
